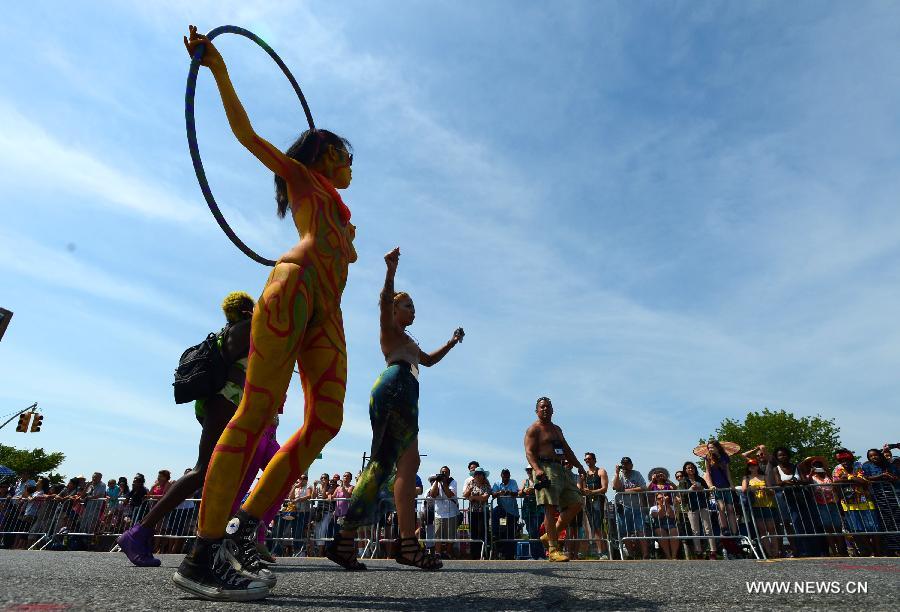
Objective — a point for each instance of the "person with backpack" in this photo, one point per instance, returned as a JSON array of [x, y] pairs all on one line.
[[213, 413]]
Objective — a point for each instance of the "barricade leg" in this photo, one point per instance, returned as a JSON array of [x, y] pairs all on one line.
[[478, 532], [630, 524], [595, 511], [829, 517], [533, 520], [887, 508], [504, 530]]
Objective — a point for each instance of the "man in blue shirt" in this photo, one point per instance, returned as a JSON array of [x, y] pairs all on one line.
[[505, 516]]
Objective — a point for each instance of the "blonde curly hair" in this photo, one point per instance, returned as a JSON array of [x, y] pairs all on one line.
[[235, 304]]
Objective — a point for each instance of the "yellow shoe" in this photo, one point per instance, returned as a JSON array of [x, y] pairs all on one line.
[[557, 556], [545, 540]]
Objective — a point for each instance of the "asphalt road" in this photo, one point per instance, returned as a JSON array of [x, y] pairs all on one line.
[[106, 581]]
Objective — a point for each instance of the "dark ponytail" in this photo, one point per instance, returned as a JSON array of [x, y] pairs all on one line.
[[307, 150]]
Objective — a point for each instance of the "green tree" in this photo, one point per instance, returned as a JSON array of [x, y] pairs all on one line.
[[36, 461], [804, 436]]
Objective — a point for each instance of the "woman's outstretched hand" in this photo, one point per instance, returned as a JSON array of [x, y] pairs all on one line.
[[458, 335], [392, 259], [211, 56]]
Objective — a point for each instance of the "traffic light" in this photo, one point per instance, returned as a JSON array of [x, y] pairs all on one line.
[[36, 423], [24, 419]]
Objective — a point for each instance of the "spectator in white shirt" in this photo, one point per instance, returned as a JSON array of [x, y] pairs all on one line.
[[446, 510]]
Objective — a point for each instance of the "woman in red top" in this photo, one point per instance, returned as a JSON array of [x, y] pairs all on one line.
[[162, 484]]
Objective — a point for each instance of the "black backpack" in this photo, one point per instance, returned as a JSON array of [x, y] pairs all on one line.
[[202, 370]]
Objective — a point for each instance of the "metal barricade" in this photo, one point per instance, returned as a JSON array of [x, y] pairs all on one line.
[[826, 519], [24, 522], [293, 530], [587, 533], [304, 529], [673, 518], [837, 519], [32, 522], [451, 526], [73, 523]]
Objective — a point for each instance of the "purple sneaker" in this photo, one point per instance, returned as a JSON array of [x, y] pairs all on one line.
[[135, 543]]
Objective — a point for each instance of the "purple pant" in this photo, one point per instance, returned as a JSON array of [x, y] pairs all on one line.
[[266, 449]]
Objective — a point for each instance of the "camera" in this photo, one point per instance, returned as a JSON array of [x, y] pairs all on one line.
[[436, 478], [542, 482]]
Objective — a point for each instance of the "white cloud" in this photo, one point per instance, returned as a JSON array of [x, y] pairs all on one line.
[[32, 155]]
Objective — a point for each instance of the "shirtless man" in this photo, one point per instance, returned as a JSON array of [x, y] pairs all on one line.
[[545, 449]]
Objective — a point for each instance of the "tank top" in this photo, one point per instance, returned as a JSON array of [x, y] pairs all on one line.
[[762, 498], [785, 477]]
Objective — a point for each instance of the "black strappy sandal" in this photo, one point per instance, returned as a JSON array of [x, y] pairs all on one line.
[[342, 551], [408, 551]]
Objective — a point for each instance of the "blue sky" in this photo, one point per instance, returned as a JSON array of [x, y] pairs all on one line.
[[658, 214]]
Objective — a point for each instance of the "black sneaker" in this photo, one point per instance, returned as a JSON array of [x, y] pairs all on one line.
[[244, 557], [208, 574]]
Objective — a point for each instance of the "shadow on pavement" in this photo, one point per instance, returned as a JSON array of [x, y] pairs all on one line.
[[518, 598]]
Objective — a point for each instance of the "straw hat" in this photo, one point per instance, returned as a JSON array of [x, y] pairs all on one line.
[[730, 447], [805, 466], [658, 469]]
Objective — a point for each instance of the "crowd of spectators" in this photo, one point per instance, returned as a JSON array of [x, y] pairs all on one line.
[[815, 507]]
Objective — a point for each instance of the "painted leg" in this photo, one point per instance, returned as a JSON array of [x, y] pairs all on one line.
[[323, 373], [276, 335]]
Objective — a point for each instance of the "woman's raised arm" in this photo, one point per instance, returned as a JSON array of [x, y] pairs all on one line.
[[271, 157], [386, 299]]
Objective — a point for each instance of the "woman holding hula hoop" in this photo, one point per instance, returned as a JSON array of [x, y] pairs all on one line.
[[296, 319], [394, 412]]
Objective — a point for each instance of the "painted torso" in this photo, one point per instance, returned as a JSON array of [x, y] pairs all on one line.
[[326, 241]]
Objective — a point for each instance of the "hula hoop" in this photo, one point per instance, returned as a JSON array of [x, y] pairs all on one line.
[[192, 130]]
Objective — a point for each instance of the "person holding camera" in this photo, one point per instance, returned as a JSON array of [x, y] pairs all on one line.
[[446, 511], [394, 414], [545, 449]]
